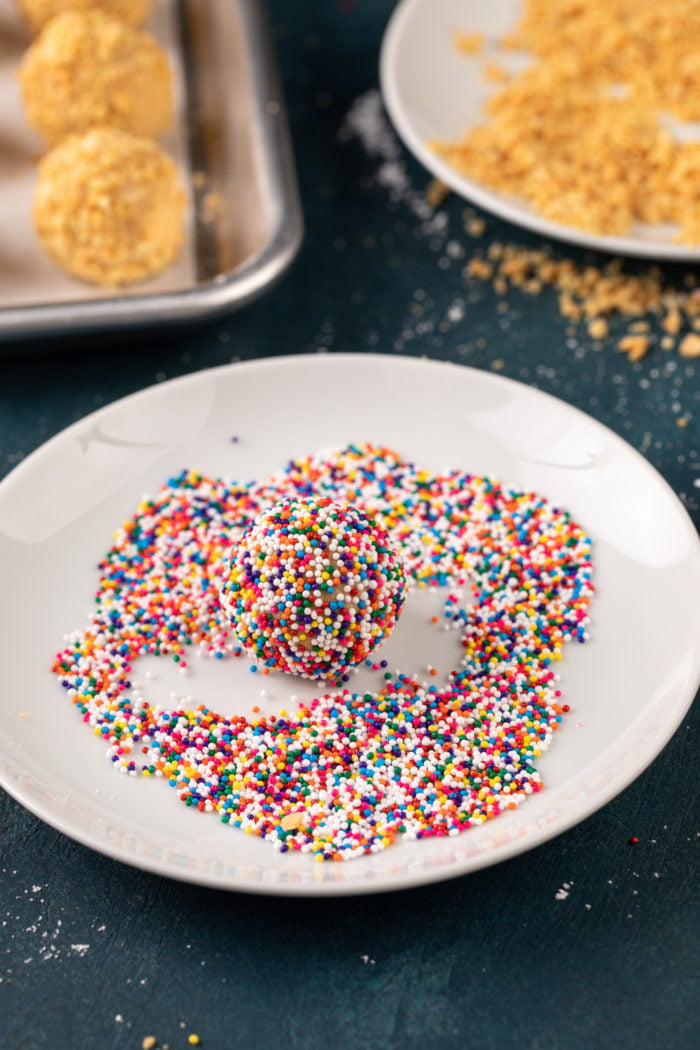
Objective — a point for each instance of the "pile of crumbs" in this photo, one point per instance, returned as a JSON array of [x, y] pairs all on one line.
[[594, 294], [655, 312], [349, 772], [585, 132]]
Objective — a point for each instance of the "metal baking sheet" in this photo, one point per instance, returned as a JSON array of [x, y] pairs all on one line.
[[231, 143]]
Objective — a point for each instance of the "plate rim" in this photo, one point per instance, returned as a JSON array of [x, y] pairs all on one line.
[[490, 200], [613, 787]]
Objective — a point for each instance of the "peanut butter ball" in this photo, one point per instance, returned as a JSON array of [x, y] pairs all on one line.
[[88, 70], [109, 207]]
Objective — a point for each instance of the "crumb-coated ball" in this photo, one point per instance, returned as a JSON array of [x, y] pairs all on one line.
[[132, 12], [87, 70], [110, 207], [313, 587]]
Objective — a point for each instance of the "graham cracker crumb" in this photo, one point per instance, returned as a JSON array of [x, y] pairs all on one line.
[[635, 346], [291, 821], [477, 267], [436, 193], [474, 225], [598, 328], [211, 205], [469, 43], [495, 74], [689, 345], [672, 322]]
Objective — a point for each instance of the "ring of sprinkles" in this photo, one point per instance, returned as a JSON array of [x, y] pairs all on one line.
[[313, 587], [348, 772]]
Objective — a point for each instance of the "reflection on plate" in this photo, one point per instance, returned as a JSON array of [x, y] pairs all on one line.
[[433, 92], [59, 508]]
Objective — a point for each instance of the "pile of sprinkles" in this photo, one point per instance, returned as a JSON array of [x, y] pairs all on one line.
[[347, 772], [313, 587]]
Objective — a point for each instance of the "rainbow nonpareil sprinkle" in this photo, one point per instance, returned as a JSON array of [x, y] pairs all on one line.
[[348, 772]]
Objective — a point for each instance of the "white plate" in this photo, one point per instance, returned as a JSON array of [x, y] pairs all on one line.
[[433, 92], [628, 687]]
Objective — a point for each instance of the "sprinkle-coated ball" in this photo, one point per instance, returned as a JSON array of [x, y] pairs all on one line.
[[313, 587]]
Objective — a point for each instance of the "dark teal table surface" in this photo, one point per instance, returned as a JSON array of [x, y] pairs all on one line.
[[94, 954]]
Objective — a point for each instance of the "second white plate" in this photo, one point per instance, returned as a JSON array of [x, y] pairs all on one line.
[[433, 92]]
